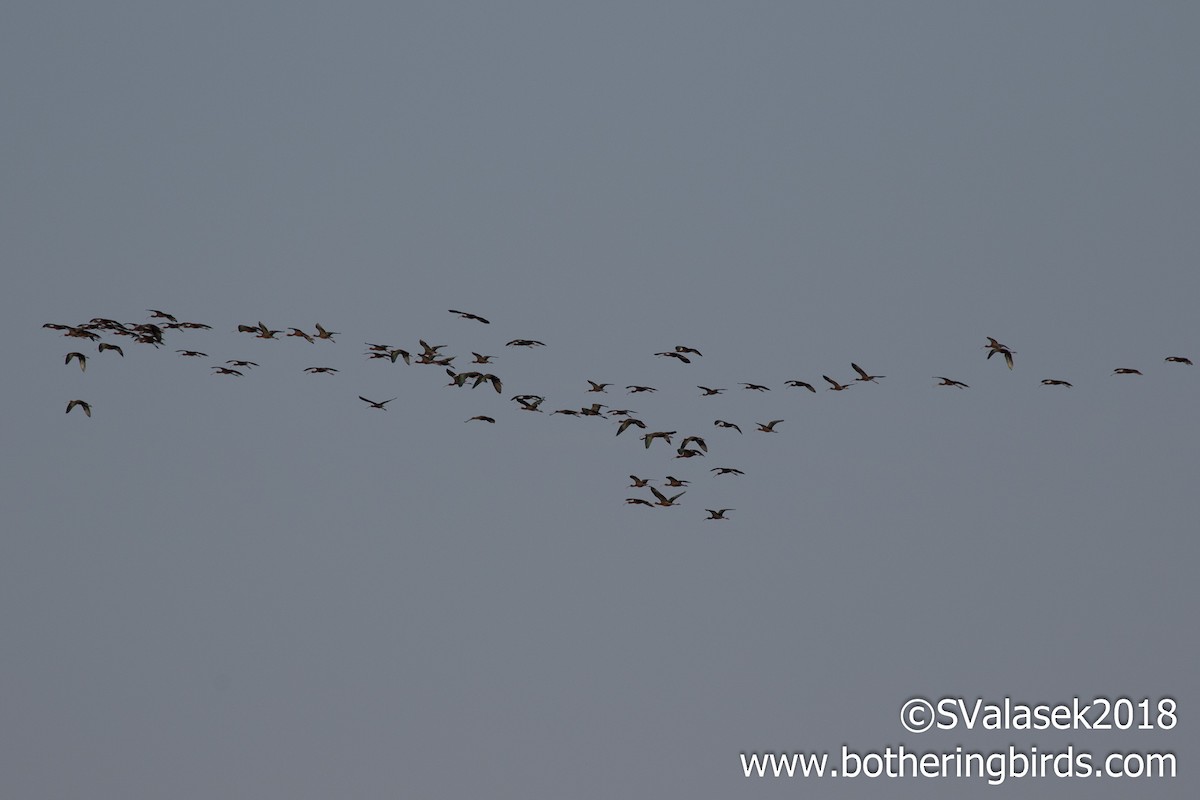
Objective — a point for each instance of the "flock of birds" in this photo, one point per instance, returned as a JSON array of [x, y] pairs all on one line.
[[154, 330]]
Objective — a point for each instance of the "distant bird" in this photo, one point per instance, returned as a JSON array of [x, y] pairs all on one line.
[[718, 513], [378, 348], [674, 482], [226, 371], [620, 412], [639, 483], [192, 326], [699, 443], [266, 333], [482, 418], [593, 410], [863, 375], [758, 387], [301, 334], [432, 351], [638, 501], [1054, 382], [324, 334], [239, 363], [950, 382], [679, 356], [664, 435], [834, 386], [681, 349], [770, 426], [86, 406], [465, 315], [320, 370], [106, 346], [598, 387], [80, 357], [530, 402], [994, 347], [663, 500], [726, 471], [192, 354], [1126, 371], [525, 343], [709, 392], [481, 359], [396, 352], [688, 452], [625, 423], [156, 314], [1179, 360], [639, 389], [802, 385], [570, 412], [720, 423], [381, 406]]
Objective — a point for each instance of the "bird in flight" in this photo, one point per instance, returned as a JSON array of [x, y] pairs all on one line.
[[481, 359], [664, 435], [598, 387], [525, 343], [720, 423], [709, 392], [638, 483], [994, 347], [1054, 382], [682, 349], [301, 334], [758, 387], [718, 513], [156, 314], [639, 389], [192, 354], [106, 346], [1179, 360], [672, 354], [625, 423], [475, 317], [638, 501], [770, 426], [950, 382], [1126, 371], [482, 418], [834, 386], [381, 406], [726, 471], [663, 500], [226, 371], [80, 357], [674, 482], [239, 363], [863, 375], [86, 406], [320, 370], [802, 385], [324, 334]]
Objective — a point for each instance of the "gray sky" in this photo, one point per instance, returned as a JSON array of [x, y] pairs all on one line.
[[258, 587]]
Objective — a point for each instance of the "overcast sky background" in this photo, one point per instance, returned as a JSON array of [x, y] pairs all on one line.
[[259, 587]]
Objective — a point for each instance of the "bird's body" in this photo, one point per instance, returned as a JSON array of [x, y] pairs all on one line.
[[86, 406]]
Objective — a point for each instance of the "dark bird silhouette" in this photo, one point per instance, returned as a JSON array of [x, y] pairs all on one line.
[[664, 435], [638, 501], [709, 392], [525, 343], [320, 370], [106, 346], [720, 423], [240, 363], [481, 359], [682, 349], [226, 371], [382, 406], [726, 471], [663, 500], [834, 386], [86, 406], [674, 482], [482, 418], [465, 315], [863, 375], [156, 314], [598, 387], [803, 385], [718, 513], [628, 421], [758, 387], [950, 382], [639, 389], [1179, 360], [639, 483], [1054, 382], [324, 334], [301, 334], [770, 426], [80, 357], [1126, 371], [192, 354], [699, 443], [679, 356], [994, 347]]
